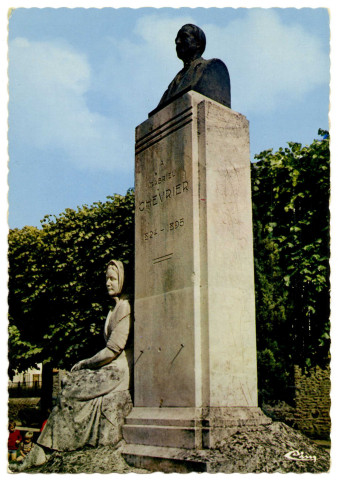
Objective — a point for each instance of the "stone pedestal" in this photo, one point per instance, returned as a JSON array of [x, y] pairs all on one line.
[[195, 341]]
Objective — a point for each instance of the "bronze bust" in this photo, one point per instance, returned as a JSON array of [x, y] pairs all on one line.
[[208, 77]]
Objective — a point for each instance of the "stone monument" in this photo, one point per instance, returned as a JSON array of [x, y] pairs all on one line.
[[195, 377], [95, 396]]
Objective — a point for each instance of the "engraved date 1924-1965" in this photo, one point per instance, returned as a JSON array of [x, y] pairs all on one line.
[[170, 227]]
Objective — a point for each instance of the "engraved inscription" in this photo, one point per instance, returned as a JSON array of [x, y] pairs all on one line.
[[151, 234], [170, 227], [161, 178], [163, 195], [176, 224]]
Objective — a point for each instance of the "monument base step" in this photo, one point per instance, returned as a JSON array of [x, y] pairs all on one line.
[[165, 459], [188, 428]]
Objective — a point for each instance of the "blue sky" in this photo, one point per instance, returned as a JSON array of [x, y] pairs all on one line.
[[80, 80]]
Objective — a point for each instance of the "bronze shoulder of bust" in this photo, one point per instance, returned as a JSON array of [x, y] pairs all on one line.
[[208, 77]]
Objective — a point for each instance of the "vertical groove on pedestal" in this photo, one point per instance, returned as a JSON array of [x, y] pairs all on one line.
[[197, 269], [202, 211]]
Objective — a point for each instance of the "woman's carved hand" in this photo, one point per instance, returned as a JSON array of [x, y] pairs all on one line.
[[78, 366]]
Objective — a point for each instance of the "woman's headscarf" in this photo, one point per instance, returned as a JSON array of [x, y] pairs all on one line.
[[120, 271]]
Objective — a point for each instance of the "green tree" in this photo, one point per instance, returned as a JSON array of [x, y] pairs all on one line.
[[291, 191], [57, 299]]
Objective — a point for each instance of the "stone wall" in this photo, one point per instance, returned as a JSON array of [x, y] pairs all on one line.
[[312, 401], [57, 382]]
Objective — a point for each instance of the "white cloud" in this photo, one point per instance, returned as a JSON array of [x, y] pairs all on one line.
[[137, 72], [270, 63], [48, 83]]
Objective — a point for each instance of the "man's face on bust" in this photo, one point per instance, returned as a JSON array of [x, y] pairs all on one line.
[[187, 45]]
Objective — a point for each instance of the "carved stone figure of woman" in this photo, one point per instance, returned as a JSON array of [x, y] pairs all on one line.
[[95, 397]]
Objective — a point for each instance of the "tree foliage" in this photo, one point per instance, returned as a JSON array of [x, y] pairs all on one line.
[[56, 300], [291, 191], [57, 304]]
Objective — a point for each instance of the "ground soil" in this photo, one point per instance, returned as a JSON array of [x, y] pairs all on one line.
[[264, 449], [248, 450]]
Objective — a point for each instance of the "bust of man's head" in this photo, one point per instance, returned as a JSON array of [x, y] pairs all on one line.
[[207, 77], [190, 43]]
